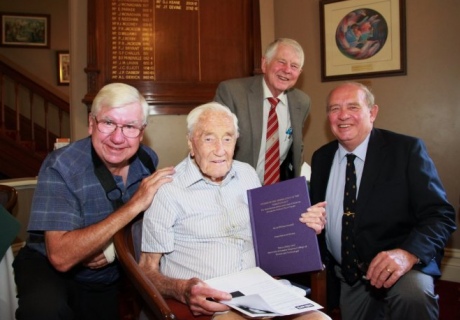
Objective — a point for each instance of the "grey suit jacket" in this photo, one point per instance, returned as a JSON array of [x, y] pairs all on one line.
[[244, 97]]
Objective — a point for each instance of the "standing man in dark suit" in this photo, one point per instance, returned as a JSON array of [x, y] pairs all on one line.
[[402, 219], [248, 98]]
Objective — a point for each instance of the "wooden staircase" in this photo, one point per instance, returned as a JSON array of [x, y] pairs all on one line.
[[32, 116]]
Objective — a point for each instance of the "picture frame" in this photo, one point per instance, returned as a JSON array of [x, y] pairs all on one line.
[[25, 30], [362, 39], [63, 68]]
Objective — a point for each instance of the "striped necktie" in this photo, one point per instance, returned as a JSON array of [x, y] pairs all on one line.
[[272, 151]]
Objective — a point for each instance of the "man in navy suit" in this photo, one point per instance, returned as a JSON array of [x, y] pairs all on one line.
[[402, 218], [248, 98]]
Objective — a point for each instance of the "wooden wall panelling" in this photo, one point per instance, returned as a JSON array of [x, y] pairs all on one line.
[[174, 51]]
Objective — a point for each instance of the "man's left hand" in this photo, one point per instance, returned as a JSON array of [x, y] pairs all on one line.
[[96, 262], [388, 266], [197, 294]]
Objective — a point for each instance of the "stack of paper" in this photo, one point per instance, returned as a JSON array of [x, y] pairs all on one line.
[[256, 294]]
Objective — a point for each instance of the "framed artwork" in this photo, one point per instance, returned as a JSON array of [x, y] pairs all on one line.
[[25, 30], [362, 39], [63, 68]]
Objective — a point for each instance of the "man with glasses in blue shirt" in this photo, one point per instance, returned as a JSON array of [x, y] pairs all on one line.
[[85, 193]]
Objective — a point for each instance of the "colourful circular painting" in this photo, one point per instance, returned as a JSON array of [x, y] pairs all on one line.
[[361, 34]]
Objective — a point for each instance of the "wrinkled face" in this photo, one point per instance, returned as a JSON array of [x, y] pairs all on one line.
[[114, 148], [282, 72], [212, 144], [350, 118]]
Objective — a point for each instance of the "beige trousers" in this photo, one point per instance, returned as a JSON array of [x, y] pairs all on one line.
[[311, 315]]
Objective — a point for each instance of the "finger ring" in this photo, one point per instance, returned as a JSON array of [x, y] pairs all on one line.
[[389, 271]]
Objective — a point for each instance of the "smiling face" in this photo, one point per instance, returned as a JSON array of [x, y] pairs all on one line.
[[212, 144], [114, 148], [283, 70], [350, 117]]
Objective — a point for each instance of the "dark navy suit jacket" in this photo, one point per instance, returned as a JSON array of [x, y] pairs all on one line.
[[401, 202]]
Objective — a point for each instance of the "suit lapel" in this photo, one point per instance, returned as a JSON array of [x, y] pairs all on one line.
[[327, 166], [321, 166], [294, 112], [255, 107], [297, 134], [375, 157]]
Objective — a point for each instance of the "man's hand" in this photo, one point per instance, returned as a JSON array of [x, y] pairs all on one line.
[[202, 299], [149, 186], [315, 217], [388, 266], [198, 295], [96, 262]]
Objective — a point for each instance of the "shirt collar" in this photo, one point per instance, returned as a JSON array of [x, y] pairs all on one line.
[[268, 94], [359, 152]]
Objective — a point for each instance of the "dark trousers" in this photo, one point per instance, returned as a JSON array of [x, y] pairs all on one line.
[[44, 293]]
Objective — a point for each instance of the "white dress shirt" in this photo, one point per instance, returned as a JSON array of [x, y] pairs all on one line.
[[203, 228]]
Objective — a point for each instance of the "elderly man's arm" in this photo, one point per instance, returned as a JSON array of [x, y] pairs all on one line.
[[193, 292], [67, 248]]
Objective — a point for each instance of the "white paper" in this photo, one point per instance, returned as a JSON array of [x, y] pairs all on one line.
[[305, 171], [109, 252], [261, 294]]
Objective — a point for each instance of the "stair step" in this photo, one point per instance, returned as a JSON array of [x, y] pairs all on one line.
[[10, 133], [29, 144], [42, 154]]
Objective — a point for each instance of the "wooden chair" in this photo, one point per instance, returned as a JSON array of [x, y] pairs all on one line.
[[156, 306], [153, 304], [8, 197], [318, 287]]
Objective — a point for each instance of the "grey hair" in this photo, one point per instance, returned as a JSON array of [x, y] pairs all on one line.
[[272, 47], [370, 99], [117, 95], [195, 115]]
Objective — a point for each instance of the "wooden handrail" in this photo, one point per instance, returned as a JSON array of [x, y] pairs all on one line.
[[26, 81], [32, 115], [31, 102]]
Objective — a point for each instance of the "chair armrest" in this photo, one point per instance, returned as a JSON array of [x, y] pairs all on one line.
[[318, 287], [147, 290]]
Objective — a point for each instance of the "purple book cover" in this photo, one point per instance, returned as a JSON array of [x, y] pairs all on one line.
[[283, 245]]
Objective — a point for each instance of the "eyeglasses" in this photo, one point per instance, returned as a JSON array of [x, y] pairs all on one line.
[[108, 127]]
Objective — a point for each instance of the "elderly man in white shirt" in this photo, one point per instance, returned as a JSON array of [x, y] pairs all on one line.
[[198, 226]]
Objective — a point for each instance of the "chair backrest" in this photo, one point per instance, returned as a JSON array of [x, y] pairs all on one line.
[[8, 197], [128, 246], [136, 234], [152, 298]]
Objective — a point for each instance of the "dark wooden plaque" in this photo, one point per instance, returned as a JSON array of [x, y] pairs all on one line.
[[174, 51]]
